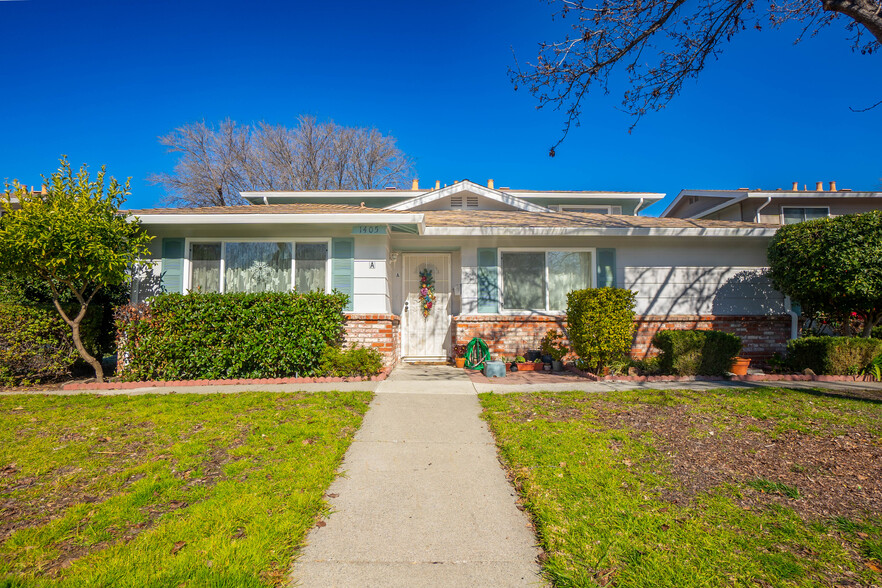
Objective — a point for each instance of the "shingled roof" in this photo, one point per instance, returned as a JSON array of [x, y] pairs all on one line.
[[299, 208], [501, 218]]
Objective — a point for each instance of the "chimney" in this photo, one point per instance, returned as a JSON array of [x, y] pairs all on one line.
[[833, 186], [819, 186], [43, 190], [437, 184], [490, 183], [415, 185], [795, 186]]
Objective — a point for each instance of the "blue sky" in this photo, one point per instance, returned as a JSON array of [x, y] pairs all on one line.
[[101, 80]]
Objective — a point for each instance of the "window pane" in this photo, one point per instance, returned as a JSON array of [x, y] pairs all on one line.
[[793, 216], [813, 213], [567, 271], [310, 261], [258, 267], [205, 267], [523, 281]]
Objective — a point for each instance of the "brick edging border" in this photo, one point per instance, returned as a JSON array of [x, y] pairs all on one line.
[[384, 373], [748, 378]]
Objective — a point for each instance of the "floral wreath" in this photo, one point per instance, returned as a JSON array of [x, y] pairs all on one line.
[[427, 291]]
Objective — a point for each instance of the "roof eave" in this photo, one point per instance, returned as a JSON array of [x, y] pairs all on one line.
[[759, 232]]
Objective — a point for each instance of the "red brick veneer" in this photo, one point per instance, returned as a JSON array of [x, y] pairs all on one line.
[[380, 331], [514, 334]]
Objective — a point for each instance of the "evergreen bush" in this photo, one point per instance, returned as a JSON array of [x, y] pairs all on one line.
[[696, 353], [600, 322], [356, 361], [217, 336], [845, 356]]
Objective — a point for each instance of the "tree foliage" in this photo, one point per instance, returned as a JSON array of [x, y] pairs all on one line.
[[662, 43], [600, 324], [72, 239], [832, 265], [218, 162]]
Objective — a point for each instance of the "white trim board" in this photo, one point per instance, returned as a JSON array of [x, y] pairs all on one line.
[[469, 186]]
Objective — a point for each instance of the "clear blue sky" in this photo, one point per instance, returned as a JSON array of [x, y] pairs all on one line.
[[101, 80]]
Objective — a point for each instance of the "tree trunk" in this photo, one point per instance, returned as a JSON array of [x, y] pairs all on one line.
[[81, 349], [865, 12]]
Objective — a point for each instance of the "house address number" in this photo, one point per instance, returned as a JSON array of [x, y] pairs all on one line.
[[369, 230]]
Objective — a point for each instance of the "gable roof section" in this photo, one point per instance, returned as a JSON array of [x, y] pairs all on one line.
[[726, 195], [468, 186]]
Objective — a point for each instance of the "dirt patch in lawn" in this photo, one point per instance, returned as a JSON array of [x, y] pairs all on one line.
[[817, 475]]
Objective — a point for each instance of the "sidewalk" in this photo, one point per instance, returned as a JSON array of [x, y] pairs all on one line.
[[424, 501]]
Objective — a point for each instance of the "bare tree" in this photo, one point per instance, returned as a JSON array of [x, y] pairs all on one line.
[[218, 162], [662, 43]]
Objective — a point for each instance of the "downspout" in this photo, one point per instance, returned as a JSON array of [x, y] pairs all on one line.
[[760, 209], [265, 201], [794, 318], [639, 206]]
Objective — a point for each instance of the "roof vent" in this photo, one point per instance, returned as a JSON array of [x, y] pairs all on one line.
[[490, 183], [832, 186], [795, 186], [471, 201], [391, 187], [415, 184], [819, 186], [437, 184], [456, 201]]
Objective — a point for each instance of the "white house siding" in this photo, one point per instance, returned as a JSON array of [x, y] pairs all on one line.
[[371, 284]]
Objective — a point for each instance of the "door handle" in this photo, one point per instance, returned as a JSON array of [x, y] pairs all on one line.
[[406, 305]]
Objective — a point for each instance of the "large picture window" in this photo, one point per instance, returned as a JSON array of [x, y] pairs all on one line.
[[258, 266], [540, 280]]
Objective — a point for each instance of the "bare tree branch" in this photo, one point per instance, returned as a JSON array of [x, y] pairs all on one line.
[[218, 162], [660, 44]]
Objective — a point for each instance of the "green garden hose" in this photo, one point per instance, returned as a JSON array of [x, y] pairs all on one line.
[[476, 354]]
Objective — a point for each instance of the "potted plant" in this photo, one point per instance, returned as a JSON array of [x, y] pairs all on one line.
[[517, 362], [740, 365], [555, 345], [459, 352]]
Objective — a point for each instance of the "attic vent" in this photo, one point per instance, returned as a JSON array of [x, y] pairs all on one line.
[[456, 202], [472, 201]]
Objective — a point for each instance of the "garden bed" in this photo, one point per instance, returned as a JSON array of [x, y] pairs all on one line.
[[747, 378]]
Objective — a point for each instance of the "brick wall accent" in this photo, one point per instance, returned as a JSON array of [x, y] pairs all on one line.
[[380, 331], [513, 335]]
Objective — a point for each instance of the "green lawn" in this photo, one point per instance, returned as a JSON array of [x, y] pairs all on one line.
[[165, 490], [764, 487]]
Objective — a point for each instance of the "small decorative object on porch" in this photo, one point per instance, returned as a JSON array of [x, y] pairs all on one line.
[[427, 290], [459, 355]]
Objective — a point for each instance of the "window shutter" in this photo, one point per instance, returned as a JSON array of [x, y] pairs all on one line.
[[343, 268], [488, 281], [606, 268], [172, 277]]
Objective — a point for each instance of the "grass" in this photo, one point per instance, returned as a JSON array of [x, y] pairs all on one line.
[[165, 490], [615, 502]]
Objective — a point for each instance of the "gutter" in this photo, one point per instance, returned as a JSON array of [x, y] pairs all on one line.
[[760, 232], [639, 206], [282, 219], [760, 209]]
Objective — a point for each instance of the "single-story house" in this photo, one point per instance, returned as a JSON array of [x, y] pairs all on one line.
[[498, 263]]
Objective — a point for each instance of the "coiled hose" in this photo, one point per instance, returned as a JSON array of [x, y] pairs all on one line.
[[476, 354]]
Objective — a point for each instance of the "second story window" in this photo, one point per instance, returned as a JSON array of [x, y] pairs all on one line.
[[793, 214]]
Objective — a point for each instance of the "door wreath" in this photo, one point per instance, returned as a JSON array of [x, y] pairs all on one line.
[[427, 291]]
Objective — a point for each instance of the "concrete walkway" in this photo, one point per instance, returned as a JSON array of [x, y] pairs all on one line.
[[424, 501]]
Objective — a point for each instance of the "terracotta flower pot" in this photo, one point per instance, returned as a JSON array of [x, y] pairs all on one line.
[[740, 365], [530, 367], [460, 362]]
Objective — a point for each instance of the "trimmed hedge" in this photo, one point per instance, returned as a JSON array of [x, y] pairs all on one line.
[[842, 356], [600, 322], [696, 353], [36, 345], [200, 336], [876, 333]]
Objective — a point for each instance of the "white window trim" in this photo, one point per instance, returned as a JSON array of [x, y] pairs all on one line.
[[783, 208], [223, 243], [522, 312]]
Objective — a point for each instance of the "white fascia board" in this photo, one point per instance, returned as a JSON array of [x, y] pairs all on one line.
[[259, 196], [811, 194], [760, 232], [588, 195], [282, 219], [467, 185]]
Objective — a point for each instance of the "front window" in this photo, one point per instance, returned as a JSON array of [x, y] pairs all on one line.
[[540, 280], [793, 214], [258, 266]]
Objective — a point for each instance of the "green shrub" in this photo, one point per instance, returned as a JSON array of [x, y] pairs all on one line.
[[357, 361], [876, 333], [832, 355], [213, 336], [35, 345], [601, 324], [696, 353]]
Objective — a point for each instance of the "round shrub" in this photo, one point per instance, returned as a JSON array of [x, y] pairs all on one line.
[[600, 322]]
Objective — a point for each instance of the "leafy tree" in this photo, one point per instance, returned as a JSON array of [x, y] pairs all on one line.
[[218, 162], [662, 43], [832, 265], [72, 239]]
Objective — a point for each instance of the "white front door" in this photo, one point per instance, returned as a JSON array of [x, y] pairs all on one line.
[[426, 333]]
